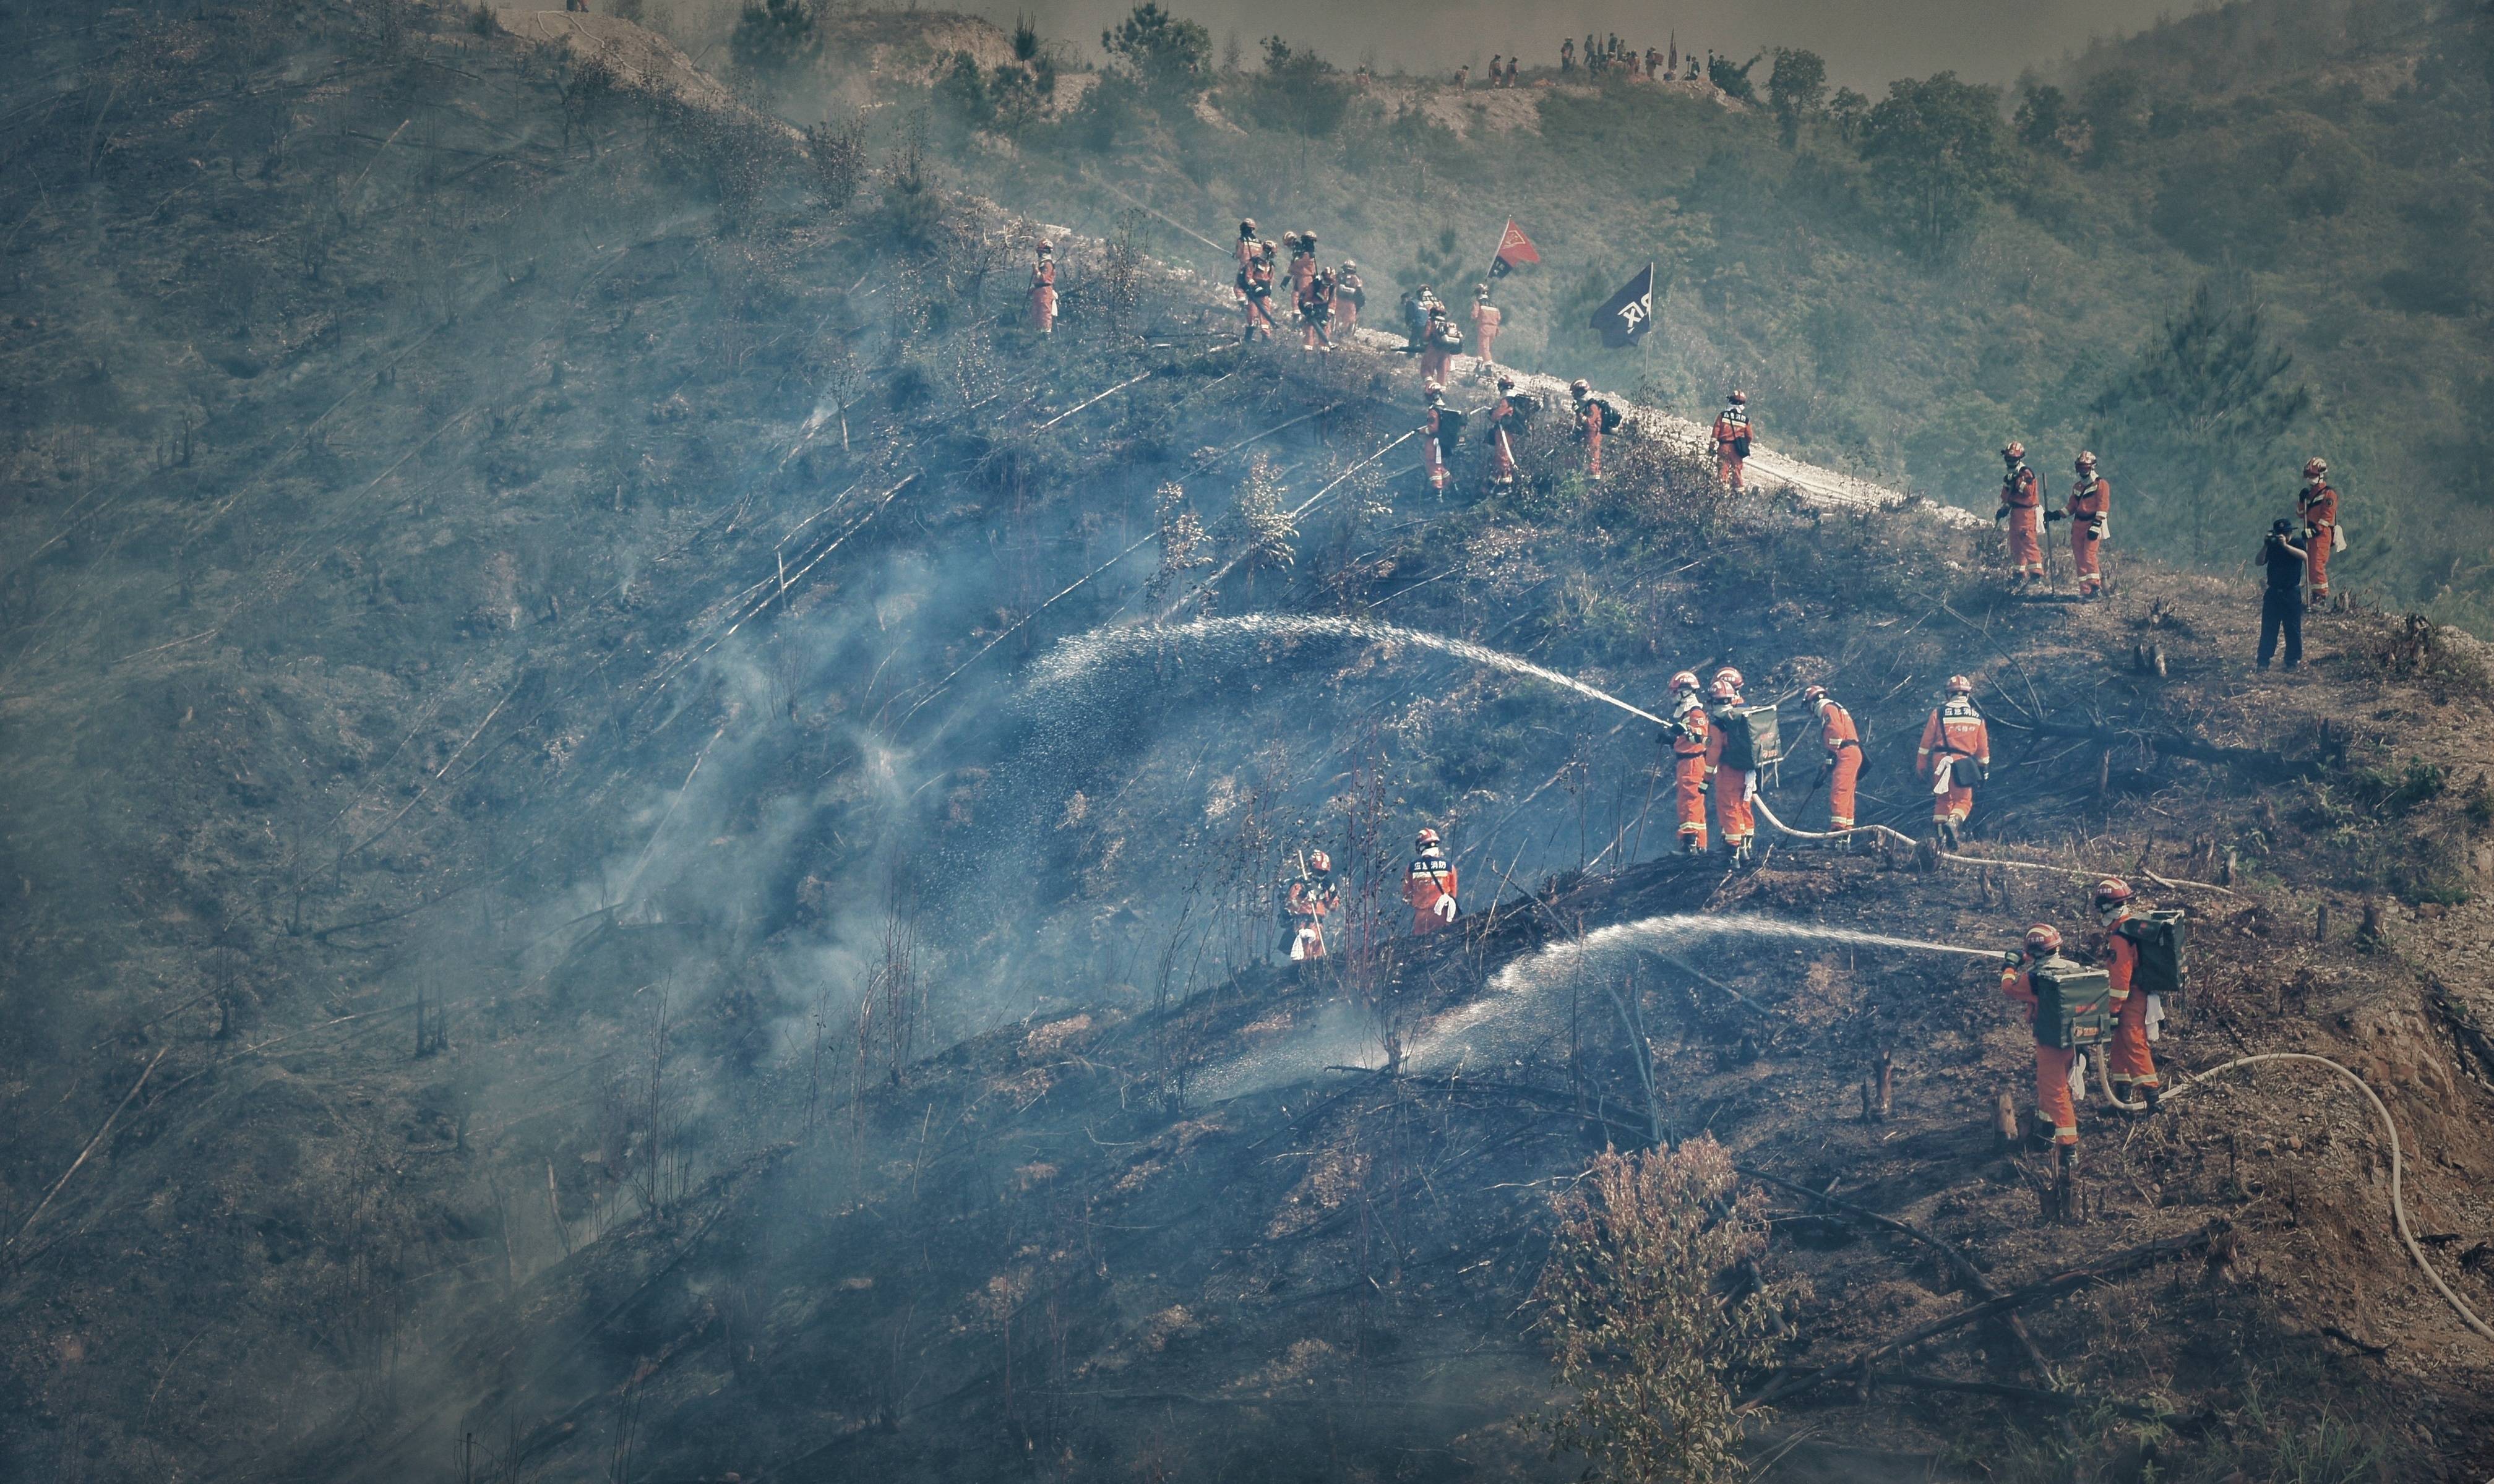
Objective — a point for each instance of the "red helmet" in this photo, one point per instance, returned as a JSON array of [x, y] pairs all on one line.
[[1247, 227], [1723, 690], [1727, 673], [1686, 680], [2111, 892], [1814, 694], [1320, 862], [2015, 450], [1959, 685], [2042, 938], [2316, 468], [2087, 461], [1506, 380], [1581, 387], [1432, 390], [1427, 839], [1739, 398]]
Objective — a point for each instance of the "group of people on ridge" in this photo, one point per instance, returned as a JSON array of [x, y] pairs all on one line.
[[1322, 298]]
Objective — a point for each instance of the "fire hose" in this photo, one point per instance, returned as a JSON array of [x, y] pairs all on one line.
[[2390, 1130], [1909, 842]]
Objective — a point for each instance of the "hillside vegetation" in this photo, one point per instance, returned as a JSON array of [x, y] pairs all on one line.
[[641, 842], [1905, 284]]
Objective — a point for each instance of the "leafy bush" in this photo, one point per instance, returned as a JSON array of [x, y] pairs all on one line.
[[1168, 59], [1934, 146], [1298, 91], [774, 37]]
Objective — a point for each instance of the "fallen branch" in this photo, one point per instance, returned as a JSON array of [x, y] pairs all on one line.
[[45, 1203]]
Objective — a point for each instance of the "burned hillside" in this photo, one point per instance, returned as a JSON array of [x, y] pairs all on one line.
[[643, 838]]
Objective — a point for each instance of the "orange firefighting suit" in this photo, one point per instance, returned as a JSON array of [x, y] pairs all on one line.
[[1315, 316], [1259, 300], [1691, 741], [1303, 272], [1731, 425], [1589, 427], [1506, 420], [1429, 886], [2024, 494], [1485, 322], [2052, 1100], [1043, 297], [1433, 446], [1248, 250], [2089, 509], [2127, 1062], [2318, 507], [1349, 291], [1956, 739], [1733, 818], [1438, 350], [1843, 762], [1306, 905]]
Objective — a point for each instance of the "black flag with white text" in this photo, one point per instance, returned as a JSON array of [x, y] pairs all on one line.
[[1629, 314]]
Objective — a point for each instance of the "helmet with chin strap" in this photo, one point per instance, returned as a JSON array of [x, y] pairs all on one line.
[[2042, 938]]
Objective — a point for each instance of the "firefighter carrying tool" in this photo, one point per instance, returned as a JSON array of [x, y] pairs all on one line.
[[1349, 292], [1429, 886], [1843, 767], [1256, 286], [2066, 1007], [1956, 755], [1444, 425], [1439, 344], [1316, 312], [1732, 439], [1689, 735], [2318, 503], [1310, 897], [1043, 291], [1505, 424], [2089, 512], [2022, 500], [1246, 254]]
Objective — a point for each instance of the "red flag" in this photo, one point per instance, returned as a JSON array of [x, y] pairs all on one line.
[[1513, 247]]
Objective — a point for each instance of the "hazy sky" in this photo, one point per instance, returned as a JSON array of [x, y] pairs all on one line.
[[1866, 42]]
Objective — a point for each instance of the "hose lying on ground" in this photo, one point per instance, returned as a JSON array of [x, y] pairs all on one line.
[[1909, 842], [2398, 1202]]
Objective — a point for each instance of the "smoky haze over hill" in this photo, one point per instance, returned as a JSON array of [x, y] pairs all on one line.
[[1866, 41]]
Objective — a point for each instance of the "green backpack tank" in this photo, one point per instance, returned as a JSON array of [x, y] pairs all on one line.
[[2073, 1004], [1751, 741], [2163, 940]]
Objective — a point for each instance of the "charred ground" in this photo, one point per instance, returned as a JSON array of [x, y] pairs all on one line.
[[500, 732]]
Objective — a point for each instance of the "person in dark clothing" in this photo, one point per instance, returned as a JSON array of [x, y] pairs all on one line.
[[2282, 602]]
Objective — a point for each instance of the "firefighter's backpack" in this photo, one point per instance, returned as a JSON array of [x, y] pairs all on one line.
[[2073, 1004], [1610, 416], [1751, 741], [1450, 425], [1740, 446], [2163, 940]]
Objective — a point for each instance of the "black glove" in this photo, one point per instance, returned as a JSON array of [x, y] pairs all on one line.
[[2049, 516], [2000, 514], [1982, 772]]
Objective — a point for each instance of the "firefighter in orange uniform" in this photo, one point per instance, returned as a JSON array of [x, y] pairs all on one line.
[[2054, 1109], [1429, 886], [1591, 415], [1732, 439], [2318, 504], [1306, 903], [1258, 282], [1303, 261], [1843, 744], [1349, 292], [2128, 1063], [1438, 435], [1485, 323], [1439, 344], [2089, 512], [1506, 425], [1956, 755], [1691, 737], [1315, 312], [1043, 292], [1245, 253], [2022, 498], [1733, 817]]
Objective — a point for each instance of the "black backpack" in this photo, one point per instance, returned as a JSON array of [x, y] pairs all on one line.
[[2163, 940], [1751, 739], [2073, 1004], [1610, 416]]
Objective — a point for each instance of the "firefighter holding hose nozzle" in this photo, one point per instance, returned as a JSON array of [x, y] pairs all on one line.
[[2067, 1007], [1689, 735]]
